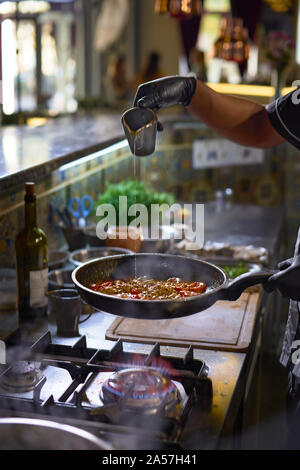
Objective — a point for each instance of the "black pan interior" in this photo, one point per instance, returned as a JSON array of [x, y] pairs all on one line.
[[155, 266]]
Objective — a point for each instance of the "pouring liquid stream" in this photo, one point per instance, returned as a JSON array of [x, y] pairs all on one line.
[[137, 176], [135, 181]]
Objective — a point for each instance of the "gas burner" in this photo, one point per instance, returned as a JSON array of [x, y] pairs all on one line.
[[21, 377], [140, 389], [65, 382]]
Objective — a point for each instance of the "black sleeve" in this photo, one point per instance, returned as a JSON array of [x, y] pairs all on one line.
[[284, 115]]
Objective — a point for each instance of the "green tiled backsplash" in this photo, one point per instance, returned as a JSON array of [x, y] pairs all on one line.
[[169, 169]]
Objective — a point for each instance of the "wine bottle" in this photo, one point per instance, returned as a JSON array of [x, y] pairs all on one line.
[[31, 258]]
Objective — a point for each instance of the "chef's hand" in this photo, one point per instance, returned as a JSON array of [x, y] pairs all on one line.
[[165, 92], [287, 280]]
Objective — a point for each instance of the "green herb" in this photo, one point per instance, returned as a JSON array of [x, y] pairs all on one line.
[[137, 193], [236, 270]]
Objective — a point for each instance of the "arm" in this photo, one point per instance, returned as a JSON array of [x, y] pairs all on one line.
[[240, 120]]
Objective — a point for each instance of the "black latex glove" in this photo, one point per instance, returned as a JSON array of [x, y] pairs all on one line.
[[165, 92], [287, 280]]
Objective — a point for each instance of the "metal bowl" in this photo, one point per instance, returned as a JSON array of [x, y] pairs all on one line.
[[38, 434], [78, 257], [57, 258], [60, 279]]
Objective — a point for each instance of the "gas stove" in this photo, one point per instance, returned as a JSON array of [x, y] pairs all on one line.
[[133, 401]]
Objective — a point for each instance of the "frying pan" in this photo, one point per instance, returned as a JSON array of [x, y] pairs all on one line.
[[160, 266]]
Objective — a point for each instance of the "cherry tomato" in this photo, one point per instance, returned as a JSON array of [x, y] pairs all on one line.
[[197, 287], [106, 283], [135, 291], [178, 288]]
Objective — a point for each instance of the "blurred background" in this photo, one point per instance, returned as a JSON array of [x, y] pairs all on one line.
[[58, 57]]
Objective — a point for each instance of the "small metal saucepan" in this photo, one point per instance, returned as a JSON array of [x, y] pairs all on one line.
[[160, 266]]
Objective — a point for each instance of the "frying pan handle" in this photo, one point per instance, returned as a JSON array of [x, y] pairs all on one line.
[[237, 286]]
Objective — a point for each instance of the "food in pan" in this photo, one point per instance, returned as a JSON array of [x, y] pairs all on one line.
[[149, 289]]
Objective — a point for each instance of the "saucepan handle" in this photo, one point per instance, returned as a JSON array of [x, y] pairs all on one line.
[[237, 286]]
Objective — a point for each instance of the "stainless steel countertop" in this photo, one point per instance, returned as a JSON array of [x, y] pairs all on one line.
[[224, 369]]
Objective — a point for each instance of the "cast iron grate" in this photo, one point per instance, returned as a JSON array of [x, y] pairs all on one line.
[[83, 364]]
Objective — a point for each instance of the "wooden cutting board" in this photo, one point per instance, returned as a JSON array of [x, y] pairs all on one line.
[[226, 326]]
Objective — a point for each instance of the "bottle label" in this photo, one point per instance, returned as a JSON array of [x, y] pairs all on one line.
[[38, 282]]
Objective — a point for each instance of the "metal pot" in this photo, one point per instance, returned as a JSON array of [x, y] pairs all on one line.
[[38, 434]]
